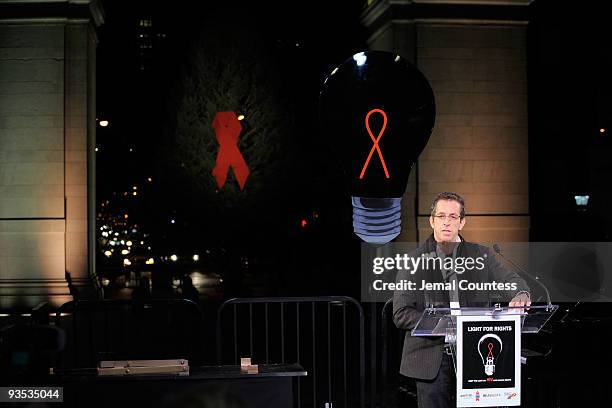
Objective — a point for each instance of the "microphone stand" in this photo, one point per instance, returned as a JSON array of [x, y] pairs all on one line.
[[497, 250]]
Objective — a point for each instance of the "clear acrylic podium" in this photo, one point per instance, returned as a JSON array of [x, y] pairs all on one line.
[[442, 321]]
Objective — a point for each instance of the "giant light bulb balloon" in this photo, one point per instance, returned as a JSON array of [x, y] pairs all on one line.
[[377, 111]]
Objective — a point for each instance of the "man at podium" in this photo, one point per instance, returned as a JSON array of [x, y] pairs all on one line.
[[460, 274]]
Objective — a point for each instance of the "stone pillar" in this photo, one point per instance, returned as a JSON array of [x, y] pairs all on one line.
[[47, 141], [474, 56]]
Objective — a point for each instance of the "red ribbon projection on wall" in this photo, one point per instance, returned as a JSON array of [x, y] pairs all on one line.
[[375, 140], [227, 130]]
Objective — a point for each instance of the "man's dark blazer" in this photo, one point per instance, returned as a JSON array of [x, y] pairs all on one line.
[[422, 356]]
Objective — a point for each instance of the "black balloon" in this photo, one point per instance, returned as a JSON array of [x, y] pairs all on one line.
[[379, 84]]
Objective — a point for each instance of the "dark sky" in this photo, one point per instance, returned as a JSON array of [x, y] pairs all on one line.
[[570, 100], [308, 38]]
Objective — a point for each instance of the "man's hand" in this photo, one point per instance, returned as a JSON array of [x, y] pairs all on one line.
[[522, 299]]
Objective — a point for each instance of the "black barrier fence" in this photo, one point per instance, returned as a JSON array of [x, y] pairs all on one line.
[[323, 334], [124, 329]]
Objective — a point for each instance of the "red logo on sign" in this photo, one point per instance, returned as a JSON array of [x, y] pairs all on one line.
[[375, 140], [227, 130]]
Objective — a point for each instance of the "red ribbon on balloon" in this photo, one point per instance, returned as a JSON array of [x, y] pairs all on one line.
[[227, 130], [375, 140]]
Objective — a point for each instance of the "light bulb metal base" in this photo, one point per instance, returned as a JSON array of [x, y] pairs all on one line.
[[377, 220]]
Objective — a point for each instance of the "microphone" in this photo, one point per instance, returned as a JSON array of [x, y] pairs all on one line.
[[429, 304], [497, 249]]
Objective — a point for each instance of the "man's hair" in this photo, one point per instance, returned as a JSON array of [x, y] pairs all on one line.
[[448, 196]]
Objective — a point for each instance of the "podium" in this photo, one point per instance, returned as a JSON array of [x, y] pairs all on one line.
[[485, 345], [438, 321]]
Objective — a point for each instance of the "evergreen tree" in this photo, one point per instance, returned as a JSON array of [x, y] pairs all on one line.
[[228, 70]]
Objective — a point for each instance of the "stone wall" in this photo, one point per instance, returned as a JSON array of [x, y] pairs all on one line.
[[47, 130]]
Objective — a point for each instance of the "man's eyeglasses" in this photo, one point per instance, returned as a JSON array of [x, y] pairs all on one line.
[[451, 217]]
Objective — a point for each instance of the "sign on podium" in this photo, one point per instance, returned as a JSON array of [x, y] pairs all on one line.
[[486, 346]]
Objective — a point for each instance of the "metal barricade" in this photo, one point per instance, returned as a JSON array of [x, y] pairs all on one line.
[[315, 332]]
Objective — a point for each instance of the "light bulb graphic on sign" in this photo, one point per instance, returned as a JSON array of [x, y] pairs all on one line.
[[490, 347], [377, 112]]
